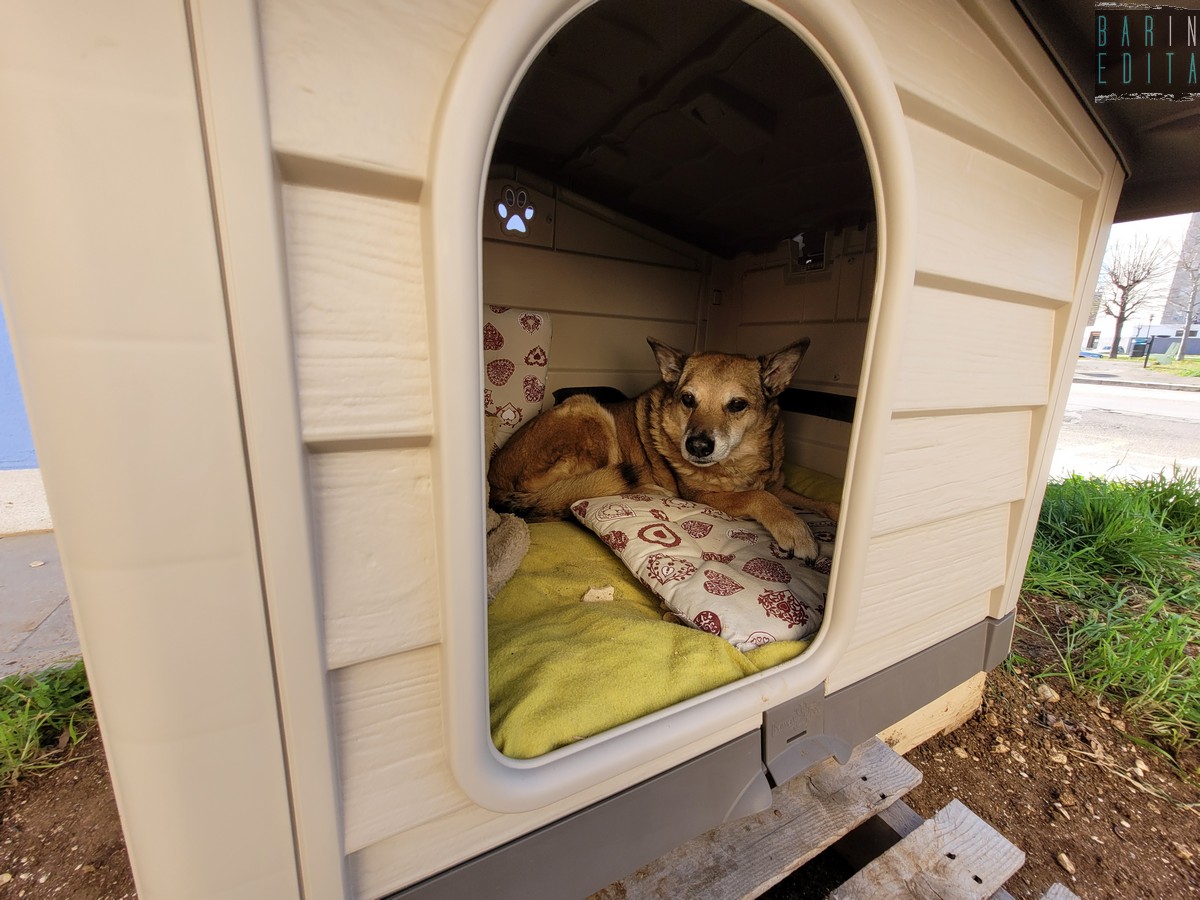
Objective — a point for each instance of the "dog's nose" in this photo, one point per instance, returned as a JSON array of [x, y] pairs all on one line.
[[700, 445]]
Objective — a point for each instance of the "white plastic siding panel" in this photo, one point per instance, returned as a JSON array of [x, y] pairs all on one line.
[[358, 310], [359, 82], [528, 278], [767, 296], [390, 733], [817, 443], [599, 342], [981, 220], [945, 65], [113, 290], [908, 637], [580, 231], [833, 361], [971, 352], [376, 552], [603, 310], [938, 467], [914, 576]]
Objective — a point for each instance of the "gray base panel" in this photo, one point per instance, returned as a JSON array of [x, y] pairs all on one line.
[[583, 852], [592, 848], [800, 733]]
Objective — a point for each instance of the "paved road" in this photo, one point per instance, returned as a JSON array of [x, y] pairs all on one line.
[[1123, 432]]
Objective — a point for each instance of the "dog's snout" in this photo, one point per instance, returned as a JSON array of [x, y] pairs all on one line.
[[700, 445]]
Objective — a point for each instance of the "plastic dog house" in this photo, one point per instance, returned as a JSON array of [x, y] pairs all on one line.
[[244, 267]]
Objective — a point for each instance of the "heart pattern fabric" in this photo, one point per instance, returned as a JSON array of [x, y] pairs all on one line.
[[720, 575]]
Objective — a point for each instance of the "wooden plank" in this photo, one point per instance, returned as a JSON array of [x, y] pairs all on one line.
[[376, 552], [953, 856], [745, 857], [360, 83], [972, 352], [1059, 891], [358, 312], [940, 716], [982, 220], [938, 467]]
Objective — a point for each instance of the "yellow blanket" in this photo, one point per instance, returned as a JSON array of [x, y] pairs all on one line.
[[561, 669]]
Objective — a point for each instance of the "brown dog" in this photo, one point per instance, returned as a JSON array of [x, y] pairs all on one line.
[[710, 431]]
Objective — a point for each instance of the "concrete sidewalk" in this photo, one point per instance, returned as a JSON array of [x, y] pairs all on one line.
[[36, 626], [1131, 373]]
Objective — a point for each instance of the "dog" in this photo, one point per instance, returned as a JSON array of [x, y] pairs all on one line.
[[710, 431]]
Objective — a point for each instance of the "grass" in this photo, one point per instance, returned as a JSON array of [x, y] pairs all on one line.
[[1126, 556], [1189, 367], [41, 715]]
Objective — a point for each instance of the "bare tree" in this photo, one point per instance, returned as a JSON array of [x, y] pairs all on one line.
[[1130, 277]]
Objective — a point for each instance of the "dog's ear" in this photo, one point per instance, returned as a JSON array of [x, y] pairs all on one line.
[[779, 367], [670, 360]]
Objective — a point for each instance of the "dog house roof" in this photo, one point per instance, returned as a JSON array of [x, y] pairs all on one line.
[[713, 122]]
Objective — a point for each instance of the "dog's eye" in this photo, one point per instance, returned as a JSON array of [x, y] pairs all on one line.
[[687, 400], [736, 405]]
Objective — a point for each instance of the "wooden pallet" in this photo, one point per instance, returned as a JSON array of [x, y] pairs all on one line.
[[742, 859], [953, 856]]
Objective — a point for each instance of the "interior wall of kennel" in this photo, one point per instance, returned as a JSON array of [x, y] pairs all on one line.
[[245, 409]]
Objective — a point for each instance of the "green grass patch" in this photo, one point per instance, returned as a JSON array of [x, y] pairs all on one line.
[[1126, 555], [40, 716], [1097, 539], [1188, 367]]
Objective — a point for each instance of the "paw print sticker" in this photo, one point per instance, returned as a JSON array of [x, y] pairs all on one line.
[[514, 210]]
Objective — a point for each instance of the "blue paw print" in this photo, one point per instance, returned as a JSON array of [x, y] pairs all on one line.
[[515, 210]]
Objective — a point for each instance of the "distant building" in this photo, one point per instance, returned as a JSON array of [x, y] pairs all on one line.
[[1184, 283]]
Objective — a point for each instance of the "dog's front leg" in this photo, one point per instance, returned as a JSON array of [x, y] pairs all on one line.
[[791, 532], [825, 508]]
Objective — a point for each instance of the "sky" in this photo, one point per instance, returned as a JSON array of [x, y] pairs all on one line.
[[1171, 228]]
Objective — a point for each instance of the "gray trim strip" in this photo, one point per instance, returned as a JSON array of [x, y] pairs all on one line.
[[592, 848], [803, 731]]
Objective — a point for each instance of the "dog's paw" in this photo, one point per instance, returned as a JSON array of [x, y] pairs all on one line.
[[793, 536], [833, 511]]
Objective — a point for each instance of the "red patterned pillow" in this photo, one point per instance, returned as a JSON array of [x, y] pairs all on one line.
[[516, 345], [719, 574]]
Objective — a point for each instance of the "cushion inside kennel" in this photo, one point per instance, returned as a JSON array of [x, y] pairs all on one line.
[[721, 574], [561, 669]]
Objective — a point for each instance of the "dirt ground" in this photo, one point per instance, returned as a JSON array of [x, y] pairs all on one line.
[[1061, 778], [60, 835]]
